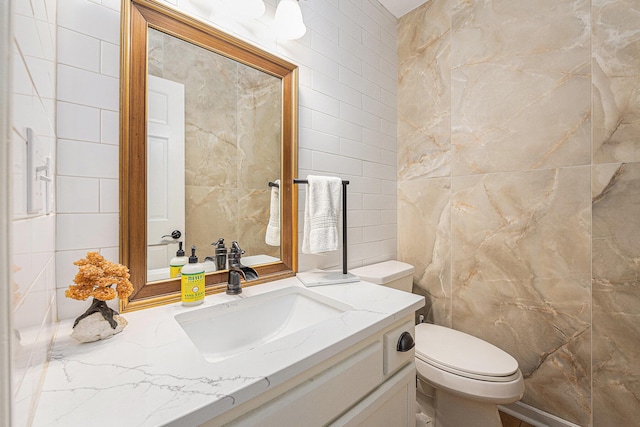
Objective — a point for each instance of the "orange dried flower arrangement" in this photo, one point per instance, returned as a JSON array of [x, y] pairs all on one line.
[[96, 278]]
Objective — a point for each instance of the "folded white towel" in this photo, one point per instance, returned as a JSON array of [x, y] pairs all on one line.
[[272, 237], [321, 207]]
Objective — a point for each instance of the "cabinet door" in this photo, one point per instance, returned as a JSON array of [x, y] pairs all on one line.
[[391, 404], [323, 397]]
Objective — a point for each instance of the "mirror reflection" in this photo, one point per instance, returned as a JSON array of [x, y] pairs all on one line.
[[236, 130], [213, 146]]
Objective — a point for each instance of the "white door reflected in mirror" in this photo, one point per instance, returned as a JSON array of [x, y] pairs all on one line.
[[165, 173]]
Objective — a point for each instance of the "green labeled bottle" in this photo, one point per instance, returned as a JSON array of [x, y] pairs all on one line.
[[192, 281]]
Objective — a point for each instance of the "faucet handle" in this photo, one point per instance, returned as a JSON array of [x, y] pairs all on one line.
[[235, 253], [235, 248]]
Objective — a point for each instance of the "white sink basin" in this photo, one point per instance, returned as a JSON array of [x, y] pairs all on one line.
[[224, 330]]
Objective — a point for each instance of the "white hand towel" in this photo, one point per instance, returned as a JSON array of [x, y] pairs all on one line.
[[321, 207], [272, 236]]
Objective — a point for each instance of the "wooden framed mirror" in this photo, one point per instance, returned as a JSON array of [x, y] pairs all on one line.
[[149, 31]]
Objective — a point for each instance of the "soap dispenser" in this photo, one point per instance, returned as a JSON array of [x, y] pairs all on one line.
[[220, 254], [192, 285], [177, 262]]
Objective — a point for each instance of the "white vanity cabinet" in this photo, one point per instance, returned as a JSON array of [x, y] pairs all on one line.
[[343, 370], [371, 383]]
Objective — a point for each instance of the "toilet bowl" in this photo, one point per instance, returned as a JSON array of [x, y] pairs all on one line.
[[469, 376], [462, 378]]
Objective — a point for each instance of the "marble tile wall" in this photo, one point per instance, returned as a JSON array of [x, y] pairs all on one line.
[[518, 189], [616, 210], [232, 144]]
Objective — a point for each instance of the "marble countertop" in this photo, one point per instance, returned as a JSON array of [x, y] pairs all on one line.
[[151, 374]]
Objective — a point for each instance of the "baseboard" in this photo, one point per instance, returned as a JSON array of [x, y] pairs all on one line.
[[534, 416]]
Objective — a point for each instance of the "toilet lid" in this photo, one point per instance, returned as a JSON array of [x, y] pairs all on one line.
[[463, 354]]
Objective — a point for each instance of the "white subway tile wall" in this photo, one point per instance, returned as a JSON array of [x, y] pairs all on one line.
[[347, 118]]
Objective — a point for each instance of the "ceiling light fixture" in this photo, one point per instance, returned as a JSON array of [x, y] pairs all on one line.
[[288, 20]]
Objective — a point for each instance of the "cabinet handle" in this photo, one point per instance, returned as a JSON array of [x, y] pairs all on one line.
[[405, 342]]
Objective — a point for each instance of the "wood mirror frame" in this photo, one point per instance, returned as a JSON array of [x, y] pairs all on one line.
[[136, 18]]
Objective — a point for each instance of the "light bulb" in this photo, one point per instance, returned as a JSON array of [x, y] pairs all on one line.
[[288, 20]]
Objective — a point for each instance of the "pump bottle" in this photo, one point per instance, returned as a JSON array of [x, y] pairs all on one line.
[[177, 262], [192, 281]]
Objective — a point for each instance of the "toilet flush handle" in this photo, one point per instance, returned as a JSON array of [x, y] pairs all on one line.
[[405, 342]]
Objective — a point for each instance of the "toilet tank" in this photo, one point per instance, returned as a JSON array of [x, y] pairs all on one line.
[[394, 274]]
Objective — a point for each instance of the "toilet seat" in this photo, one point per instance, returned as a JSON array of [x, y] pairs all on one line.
[[494, 392], [464, 355]]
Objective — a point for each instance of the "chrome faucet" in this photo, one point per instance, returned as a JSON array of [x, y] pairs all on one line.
[[238, 271]]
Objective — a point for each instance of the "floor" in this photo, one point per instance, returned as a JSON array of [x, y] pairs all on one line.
[[509, 421], [423, 420]]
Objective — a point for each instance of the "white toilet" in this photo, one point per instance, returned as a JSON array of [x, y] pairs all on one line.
[[462, 378]]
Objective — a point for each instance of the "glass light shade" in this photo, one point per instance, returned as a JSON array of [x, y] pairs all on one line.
[[288, 20], [246, 9]]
